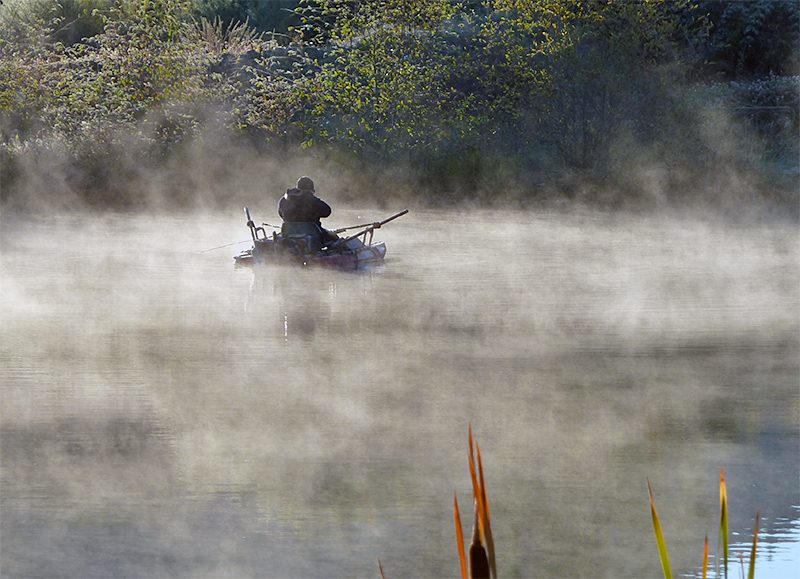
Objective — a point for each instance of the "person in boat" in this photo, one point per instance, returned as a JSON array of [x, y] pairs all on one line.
[[301, 205]]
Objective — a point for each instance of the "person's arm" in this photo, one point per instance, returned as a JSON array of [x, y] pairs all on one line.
[[322, 208]]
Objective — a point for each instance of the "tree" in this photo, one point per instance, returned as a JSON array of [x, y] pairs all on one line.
[[580, 70], [380, 88], [753, 39]]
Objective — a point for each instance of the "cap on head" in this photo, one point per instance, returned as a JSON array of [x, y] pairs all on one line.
[[305, 183]]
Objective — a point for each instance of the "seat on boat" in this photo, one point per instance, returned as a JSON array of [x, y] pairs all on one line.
[[301, 229], [308, 236]]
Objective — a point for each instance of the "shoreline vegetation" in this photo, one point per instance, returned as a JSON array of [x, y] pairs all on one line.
[[168, 104]]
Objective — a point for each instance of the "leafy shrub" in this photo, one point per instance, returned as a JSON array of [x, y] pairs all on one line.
[[462, 100]]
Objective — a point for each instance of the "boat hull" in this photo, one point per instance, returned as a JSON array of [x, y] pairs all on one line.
[[350, 254]]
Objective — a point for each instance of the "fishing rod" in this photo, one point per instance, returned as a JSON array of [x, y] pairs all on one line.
[[253, 232], [221, 246]]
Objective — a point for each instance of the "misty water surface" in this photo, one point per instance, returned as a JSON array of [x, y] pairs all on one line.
[[165, 414]]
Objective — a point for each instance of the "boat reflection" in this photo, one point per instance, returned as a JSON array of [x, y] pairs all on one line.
[[303, 301]]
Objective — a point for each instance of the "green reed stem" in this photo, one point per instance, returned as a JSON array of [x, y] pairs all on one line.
[[662, 545], [751, 573]]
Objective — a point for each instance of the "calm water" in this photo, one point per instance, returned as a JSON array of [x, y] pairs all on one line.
[[165, 414]]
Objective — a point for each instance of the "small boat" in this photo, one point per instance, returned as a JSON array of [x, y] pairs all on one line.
[[303, 243]]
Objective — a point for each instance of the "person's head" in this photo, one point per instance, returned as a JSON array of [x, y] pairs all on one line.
[[305, 183]]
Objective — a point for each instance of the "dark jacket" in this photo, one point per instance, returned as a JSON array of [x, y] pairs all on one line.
[[302, 205]]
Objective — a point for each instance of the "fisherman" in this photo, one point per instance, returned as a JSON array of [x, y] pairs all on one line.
[[301, 205]]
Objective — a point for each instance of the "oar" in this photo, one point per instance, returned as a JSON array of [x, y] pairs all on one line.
[[341, 229], [376, 225]]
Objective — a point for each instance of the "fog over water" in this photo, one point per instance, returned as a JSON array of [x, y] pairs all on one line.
[[167, 414]]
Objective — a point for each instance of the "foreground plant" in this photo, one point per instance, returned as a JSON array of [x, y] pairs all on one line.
[[481, 550], [723, 535], [481, 563]]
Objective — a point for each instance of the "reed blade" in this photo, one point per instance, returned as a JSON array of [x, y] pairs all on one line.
[[460, 538], [752, 571], [705, 558], [471, 452], [480, 478], [723, 521], [485, 514], [381, 569], [662, 545], [476, 492]]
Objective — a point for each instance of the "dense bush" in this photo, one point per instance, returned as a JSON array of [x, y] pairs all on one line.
[[510, 99], [752, 39], [273, 16]]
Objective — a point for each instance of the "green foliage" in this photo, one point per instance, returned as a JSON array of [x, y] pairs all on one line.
[[70, 21], [752, 39], [23, 21], [468, 95], [323, 21], [412, 76], [272, 16], [390, 91], [579, 71], [381, 94], [137, 89]]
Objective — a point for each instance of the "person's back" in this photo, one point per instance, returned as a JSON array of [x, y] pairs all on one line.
[[301, 206]]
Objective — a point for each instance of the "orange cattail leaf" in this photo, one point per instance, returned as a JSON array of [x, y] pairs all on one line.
[[705, 558], [460, 538], [483, 484], [485, 515], [471, 453], [723, 521], [476, 491]]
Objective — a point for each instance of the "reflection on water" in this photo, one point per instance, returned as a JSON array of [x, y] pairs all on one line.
[[778, 550], [779, 547], [165, 414]]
